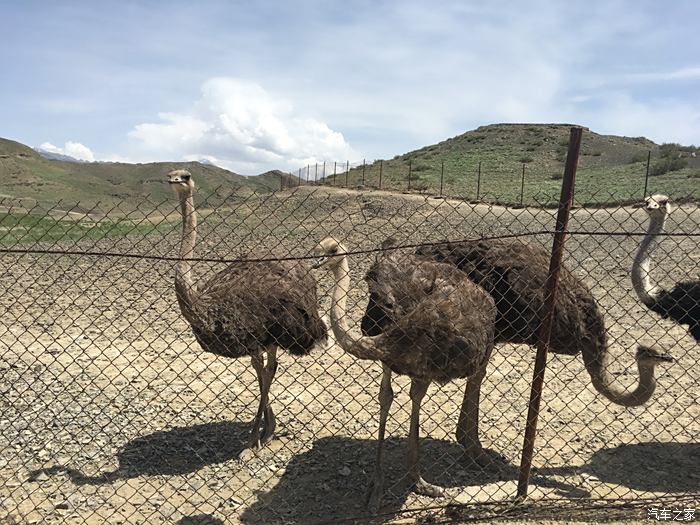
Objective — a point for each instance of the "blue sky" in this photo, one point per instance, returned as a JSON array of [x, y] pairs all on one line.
[[259, 85]]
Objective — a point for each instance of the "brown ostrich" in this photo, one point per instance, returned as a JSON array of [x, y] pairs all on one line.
[[247, 309], [442, 329], [514, 273], [682, 302]]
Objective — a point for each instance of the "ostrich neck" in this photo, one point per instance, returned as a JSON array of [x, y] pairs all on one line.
[[603, 383], [641, 282], [184, 285], [360, 346]]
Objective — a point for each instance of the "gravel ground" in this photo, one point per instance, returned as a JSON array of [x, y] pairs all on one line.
[[111, 413]]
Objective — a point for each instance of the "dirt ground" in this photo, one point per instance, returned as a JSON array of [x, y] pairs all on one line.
[[111, 413]]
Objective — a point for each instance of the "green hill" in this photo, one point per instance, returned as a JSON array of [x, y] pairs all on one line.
[[24, 174], [611, 168]]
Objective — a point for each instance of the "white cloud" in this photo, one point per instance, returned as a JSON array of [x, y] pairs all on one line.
[[72, 149], [240, 126]]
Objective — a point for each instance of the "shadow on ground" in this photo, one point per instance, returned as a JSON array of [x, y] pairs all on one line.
[[653, 467], [330, 480], [180, 450]]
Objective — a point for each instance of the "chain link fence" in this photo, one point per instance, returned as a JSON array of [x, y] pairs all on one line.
[[111, 411]]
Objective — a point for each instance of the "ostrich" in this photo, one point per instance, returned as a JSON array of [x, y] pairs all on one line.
[[443, 329], [514, 273], [247, 309], [682, 303]]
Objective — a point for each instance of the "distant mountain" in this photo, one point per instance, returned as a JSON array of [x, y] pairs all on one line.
[[52, 155]]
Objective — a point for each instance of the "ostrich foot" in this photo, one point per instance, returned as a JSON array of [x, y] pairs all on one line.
[[428, 489], [375, 491]]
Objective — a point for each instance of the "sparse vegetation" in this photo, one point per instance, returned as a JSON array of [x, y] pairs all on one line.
[[19, 228], [667, 164]]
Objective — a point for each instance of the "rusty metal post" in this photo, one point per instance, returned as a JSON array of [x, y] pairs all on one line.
[[335, 165], [442, 175], [478, 182], [299, 178], [646, 178], [363, 172], [565, 201], [381, 167], [324, 171], [307, 174], [347, 171], [522, 185], [316, 174]]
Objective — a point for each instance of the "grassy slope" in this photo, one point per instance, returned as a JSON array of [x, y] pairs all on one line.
[[24, 174], [611, 168]]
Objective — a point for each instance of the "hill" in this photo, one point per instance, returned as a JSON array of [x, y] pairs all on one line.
[[611, 168], [24, 174]]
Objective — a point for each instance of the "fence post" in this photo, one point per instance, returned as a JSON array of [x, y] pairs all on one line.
[[324, 171], [307, 174], [646, 178], [381, 167], [478, 182], [335, 165], [442, 175], [409, 174], [347, 170], [363, 172], [316, 174], [550, 290], [522, 185], [299, 178]]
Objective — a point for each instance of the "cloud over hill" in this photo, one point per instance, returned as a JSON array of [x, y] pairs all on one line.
[[240, 126]]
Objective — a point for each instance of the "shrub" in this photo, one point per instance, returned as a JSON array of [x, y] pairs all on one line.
[[638, 157], [669, 149], [526, 160], [666, 164]]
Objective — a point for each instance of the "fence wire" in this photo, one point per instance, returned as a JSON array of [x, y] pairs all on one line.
[[112, 411]]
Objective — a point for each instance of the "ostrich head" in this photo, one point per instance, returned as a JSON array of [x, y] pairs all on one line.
[[329, 253], [656, 205], [181, 181], [651, 357]]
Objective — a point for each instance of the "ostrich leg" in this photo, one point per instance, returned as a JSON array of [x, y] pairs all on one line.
[[418, 389], [468, 422], [270, 423], [257, 362], [386, 397]]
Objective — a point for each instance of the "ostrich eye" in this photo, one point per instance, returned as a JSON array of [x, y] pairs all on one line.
[[333, 250]]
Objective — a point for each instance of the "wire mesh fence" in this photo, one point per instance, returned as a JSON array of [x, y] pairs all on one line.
[[112, 411]]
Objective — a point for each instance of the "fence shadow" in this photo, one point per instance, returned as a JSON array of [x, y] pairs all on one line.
[[331, 479], [180, 450], [200, 519]]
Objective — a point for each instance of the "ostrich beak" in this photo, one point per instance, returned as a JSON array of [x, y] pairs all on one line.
[[639, 205]]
